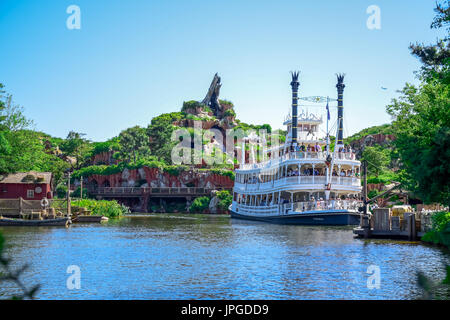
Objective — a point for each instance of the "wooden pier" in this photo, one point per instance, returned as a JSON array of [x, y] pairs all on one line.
[[383, 225], [141, 196]]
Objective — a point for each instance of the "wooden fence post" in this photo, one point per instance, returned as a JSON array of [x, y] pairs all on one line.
[[413, 226], [20, 206], [69, 208]]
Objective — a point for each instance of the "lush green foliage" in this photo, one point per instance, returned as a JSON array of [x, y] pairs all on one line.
[[76, 146], [378, 158], [22, 149], [226, 102], [422, 127], [77, 193], [225, 199], [422, 120], [110, 209], [105, 170], [61, 191], [199, 205], [160, 132], [440, 234], [385, 177], [373, 193], [251, 127], [133, 144], [192, 104], [175, 170], [226, 172], [229, 113], [27, 152], [107, 146]]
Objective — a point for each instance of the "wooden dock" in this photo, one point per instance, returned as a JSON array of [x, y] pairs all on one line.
[[383, 225]]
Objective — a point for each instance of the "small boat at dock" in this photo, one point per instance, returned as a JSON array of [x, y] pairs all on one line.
[[92, 219], [59, 222]]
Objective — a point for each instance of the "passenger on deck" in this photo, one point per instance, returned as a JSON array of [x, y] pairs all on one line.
[[318, 147]]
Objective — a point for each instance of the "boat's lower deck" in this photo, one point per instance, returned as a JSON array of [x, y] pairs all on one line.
[[330, 218]]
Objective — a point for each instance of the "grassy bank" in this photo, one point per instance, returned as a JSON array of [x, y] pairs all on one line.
[[110, 209]]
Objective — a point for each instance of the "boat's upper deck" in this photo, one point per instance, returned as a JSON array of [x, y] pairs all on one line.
[[307, 157]]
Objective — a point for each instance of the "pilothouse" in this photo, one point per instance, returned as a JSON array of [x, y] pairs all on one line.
[[305, 180]]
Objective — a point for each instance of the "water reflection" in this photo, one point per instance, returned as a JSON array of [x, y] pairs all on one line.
[[214, 257]]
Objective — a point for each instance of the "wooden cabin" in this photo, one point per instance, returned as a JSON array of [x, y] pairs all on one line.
[[31, 185]]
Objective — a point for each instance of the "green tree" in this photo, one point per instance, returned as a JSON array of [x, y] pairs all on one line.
[[160, 134], [133, 144], [422, 120], [377, 158], [22, 149], [435, 58], [13, 116], [27, 152], [76, 146], [5, 147]]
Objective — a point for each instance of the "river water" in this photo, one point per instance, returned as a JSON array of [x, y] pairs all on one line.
[[215, 257]]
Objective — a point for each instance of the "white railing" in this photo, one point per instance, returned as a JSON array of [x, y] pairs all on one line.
[[299, 207], [351, 205], [299, 155], [257, 210], [300, 180]]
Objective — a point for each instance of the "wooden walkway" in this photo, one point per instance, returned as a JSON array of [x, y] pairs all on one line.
[[137, 192]]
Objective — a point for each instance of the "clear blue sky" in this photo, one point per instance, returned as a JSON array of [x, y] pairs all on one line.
[[133, 60]]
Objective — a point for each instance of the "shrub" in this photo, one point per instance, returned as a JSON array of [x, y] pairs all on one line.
[[192, 104], [175, 170], [226, 102], [150, 162], [110, 209], [229, 113], [106, 146], [440, 233], [225, 199], [77, 193], [385, 177], [373, 193], [248, 127], [61, 191], [199, 205]]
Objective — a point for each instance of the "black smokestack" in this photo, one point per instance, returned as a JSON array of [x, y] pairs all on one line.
[[340, 88], [294, 84]]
